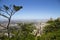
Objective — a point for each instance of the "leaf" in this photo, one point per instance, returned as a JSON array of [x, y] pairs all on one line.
[[6, 7], [16, 8]]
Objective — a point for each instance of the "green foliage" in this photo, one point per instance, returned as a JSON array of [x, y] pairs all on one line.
[[27, 27], [6, 7], [16, 8], [54, 25], [4, 38], [50, 36], [51, 31], [24, 32]]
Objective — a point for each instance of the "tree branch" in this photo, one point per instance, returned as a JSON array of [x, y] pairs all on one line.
[[2, 26], [3, 15], [5, 12]]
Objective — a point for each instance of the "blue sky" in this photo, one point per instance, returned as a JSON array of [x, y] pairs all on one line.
[[35, 9]]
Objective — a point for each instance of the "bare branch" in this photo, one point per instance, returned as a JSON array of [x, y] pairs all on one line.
[[5, 12], [3, 15], [13, 13], [2, 26]]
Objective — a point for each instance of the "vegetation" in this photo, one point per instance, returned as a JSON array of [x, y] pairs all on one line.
[[51, 31], [25, 32], [22, 33], [54, 25]]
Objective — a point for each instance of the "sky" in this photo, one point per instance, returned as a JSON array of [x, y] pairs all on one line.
[[35, 9]]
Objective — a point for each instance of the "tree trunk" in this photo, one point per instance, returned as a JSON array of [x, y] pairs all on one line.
[[8, 29]]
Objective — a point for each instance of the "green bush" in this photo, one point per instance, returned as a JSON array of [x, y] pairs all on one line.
[[51, 31]]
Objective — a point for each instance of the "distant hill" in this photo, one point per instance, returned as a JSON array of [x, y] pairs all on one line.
[[26, 21]]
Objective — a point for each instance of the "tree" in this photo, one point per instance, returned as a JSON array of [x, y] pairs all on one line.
[[51, 31], [54, 25], [25, 31], [8, 12]]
